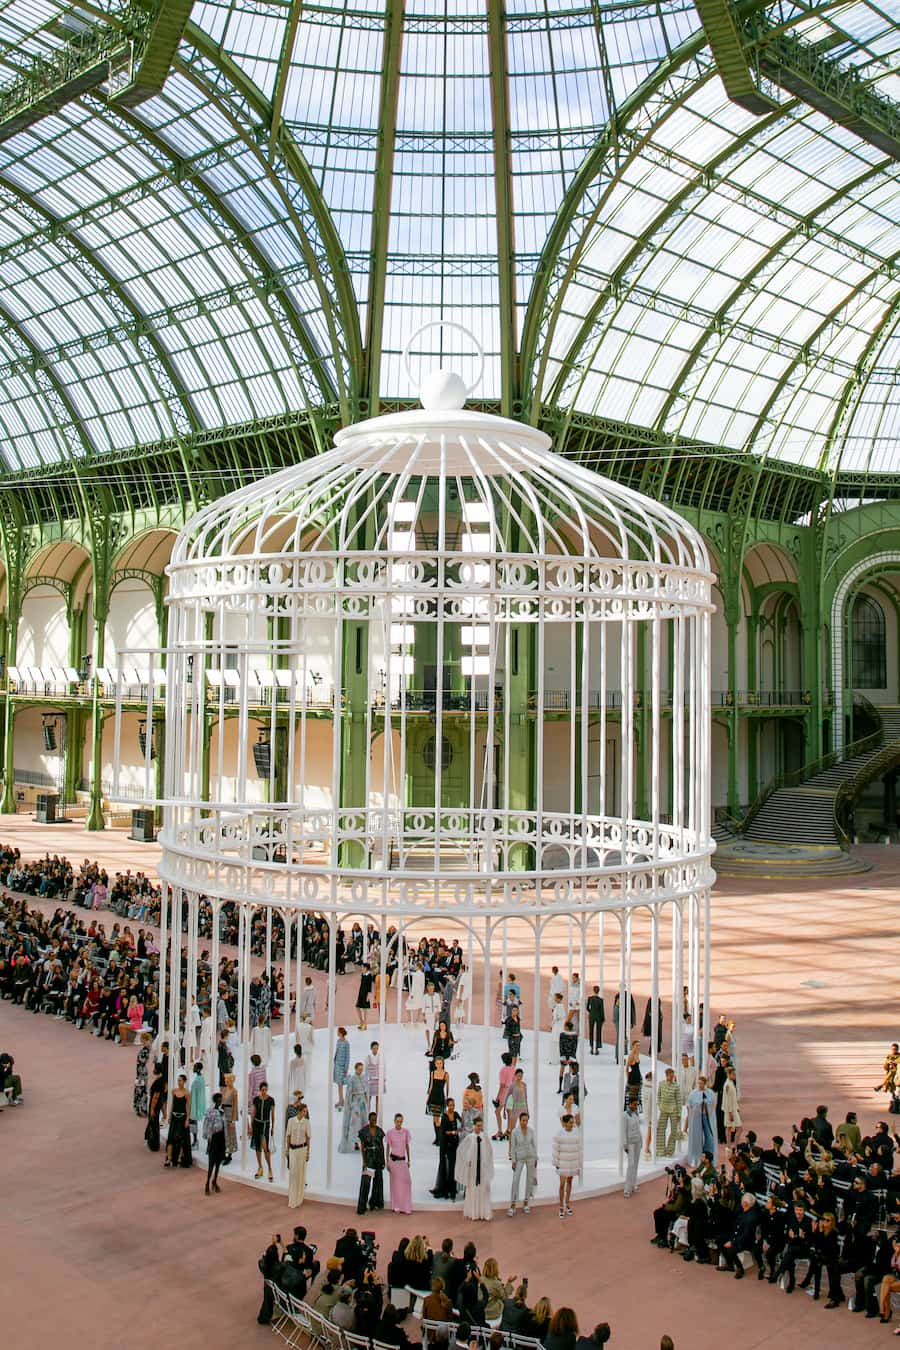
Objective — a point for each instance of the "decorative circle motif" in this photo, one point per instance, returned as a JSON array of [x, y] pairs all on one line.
[[459, 328]]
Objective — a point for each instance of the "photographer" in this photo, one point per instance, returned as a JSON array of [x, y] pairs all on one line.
[[350, 1251], [676, 1204], [369, 1303]]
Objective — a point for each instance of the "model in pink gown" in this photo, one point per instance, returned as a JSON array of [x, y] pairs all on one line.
[[397, 1141]]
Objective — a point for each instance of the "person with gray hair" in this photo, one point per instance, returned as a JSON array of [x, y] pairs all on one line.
[[745, 1238]]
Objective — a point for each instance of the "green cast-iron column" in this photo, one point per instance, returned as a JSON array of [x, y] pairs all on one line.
[[14, 551], [732, 620], [521, 680], [753, 685], [639, 730], [354, 676], [95, 819], [75, 718]]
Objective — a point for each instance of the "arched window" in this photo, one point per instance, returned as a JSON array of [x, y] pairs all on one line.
[[867, 644]]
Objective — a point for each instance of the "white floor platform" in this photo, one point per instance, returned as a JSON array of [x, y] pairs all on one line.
[[406, 1069]]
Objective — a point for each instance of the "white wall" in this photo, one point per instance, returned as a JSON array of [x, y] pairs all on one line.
[[30, 754], [131, 621], [43, 638]]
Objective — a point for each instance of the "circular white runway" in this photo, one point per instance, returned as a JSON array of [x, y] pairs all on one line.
[[406, 1071]]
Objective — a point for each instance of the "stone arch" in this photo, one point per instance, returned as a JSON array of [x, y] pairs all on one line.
[[888, 561]]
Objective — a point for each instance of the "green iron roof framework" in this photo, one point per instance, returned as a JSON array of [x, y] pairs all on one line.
[[252, 246]]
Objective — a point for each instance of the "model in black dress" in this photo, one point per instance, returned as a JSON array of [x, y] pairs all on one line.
[[363, 997], [178, 1147], [448, 1140], [438, 1083]]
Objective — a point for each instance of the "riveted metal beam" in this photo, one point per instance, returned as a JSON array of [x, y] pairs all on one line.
[[498, 58], [394, 13]]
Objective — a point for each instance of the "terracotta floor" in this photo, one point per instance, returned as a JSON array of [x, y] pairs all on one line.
[[102, 1248]]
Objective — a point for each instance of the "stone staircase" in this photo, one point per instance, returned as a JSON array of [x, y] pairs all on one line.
[[805, 814], [793, 834]]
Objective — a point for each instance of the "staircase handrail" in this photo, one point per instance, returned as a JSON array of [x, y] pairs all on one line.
[[848, 791], [798, 776]]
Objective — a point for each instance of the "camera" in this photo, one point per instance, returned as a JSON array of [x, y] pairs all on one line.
[[369, 1248]]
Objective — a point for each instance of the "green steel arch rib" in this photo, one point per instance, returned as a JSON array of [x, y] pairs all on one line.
[[584, 199], [618, 291], [154, 355], [783, 388], [310, 213], [716, 333], [381, 209], [855, 387], [503, 195], [233, 233]]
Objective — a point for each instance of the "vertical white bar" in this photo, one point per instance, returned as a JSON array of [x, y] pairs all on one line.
[[286, 1039]]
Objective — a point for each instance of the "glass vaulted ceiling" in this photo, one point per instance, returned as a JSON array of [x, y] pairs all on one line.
[[567, 180]]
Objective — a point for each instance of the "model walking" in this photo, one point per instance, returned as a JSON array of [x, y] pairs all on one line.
[[340, 1066], [567, 1161], [472, 1103], [262, 1115], [230, 1111], [356, 1109], [475, 1169], [141, 1096], [398, 1165], [438, 1091], [375, 1076], [213, 1130], [507, 1074], [297, 1139], [449, 1135], [363, 996], [178, 1147]]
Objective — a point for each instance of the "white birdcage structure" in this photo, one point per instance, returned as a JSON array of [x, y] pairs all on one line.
[[456, 680]]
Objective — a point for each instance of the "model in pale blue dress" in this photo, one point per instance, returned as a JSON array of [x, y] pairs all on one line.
[[356, 1109], [341, 1062]]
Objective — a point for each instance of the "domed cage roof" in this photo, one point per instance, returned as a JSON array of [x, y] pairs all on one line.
[[465, 670], [501, 477]]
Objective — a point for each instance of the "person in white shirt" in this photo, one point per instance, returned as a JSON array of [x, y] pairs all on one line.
[[557, 986], [461, 995], [261, 1040], [573, 999], [431, 1008], [686, 1074], [557, 1023], [567, 1161], [632, 1144], [475, 1169]]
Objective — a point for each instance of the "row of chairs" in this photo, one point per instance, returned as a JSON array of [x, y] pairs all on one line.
[[841, 1187], [445, 1331], [296, 1323]]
